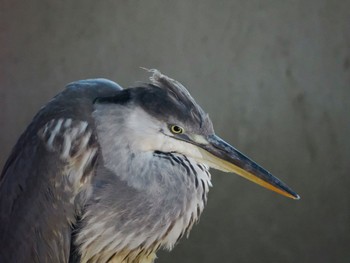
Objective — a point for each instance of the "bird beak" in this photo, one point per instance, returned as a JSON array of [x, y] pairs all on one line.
[[220, 155]]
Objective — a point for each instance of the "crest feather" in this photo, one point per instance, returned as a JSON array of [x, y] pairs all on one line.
[[174, 87], [180, 94]]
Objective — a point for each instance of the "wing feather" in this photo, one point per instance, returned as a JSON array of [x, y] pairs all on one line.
[[46, 179], [41, 192]]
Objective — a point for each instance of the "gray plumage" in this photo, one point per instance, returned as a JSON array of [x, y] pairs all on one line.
[[39, 198], [46, 185], [105, 174]]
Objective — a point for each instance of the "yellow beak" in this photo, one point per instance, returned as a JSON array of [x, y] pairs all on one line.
[[220, 155]]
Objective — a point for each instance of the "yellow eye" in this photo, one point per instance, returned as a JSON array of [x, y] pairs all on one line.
[[176, 129]]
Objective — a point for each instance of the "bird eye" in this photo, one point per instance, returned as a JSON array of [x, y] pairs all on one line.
[[175, 129]]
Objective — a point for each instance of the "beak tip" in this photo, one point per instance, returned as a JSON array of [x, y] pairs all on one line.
[[297, 197], [294, 196]]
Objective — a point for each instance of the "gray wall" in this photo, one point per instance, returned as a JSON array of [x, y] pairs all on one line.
[[273, 75]]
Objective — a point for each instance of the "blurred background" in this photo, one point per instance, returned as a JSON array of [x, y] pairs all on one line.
[[273, 75]]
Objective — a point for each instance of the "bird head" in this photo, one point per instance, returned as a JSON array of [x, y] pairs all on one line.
[[163, 116]]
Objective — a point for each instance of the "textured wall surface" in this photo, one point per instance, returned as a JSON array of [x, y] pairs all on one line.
[[273, 75]]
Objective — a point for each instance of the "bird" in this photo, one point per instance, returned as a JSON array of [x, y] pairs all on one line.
[[107, 174]]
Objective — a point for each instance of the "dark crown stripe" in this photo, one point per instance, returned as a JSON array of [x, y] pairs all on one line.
[[122, 97]]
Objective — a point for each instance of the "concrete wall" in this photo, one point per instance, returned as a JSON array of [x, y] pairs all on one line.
[[273, 75]]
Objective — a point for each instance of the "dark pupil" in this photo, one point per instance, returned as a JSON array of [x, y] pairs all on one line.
[[177, 129]]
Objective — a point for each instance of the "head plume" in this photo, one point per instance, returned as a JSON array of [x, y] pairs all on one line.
[[179, 95]]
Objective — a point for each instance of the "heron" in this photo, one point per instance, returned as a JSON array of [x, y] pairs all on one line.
[[106, 174]]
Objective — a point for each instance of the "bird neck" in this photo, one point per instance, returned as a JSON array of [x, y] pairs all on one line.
[[166, 190]]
